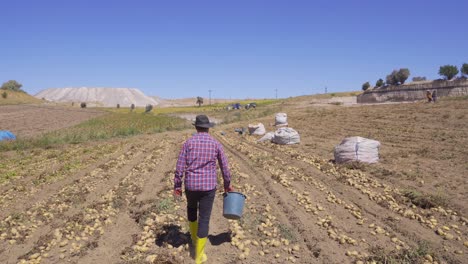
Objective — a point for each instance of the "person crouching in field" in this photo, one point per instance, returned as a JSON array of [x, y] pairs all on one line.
[[197, 162], [429, 96]]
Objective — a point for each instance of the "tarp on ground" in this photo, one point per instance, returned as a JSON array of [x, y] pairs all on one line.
[[6, 135], [357, 149]]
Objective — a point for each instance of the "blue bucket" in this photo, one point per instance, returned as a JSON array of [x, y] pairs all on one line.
[[233, 205]]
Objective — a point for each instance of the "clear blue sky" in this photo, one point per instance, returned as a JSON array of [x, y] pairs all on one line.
[[238, 49]]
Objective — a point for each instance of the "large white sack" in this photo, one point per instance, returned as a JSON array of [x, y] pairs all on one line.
[[357, 149], [258, 129], [286, 136], [281, 119], [267, 137]]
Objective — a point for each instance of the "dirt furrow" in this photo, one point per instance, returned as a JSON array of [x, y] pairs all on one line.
[[291, 215], [79, 233], [59, 207], [119, 235], [375, 209], [30, 193]]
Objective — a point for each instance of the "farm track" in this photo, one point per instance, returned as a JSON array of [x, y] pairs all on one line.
[[370, 210]]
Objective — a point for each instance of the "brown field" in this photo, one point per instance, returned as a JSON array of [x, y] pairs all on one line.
[[29, 120], [111, 201]]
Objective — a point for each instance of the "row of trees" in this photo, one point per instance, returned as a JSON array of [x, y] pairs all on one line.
[[397, 77], [450, 71]]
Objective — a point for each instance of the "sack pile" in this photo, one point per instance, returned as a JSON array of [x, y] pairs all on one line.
[[286, 136], [267, 137], [258, 129], [357, 149], [281, 119]]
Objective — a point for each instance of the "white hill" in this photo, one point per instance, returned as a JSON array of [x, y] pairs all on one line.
[[106, 97]]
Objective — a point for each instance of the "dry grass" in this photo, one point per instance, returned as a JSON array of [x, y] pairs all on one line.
[[407, 256], [100, 128], [13, 98]]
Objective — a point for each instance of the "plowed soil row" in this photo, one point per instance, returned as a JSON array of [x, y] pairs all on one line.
[[372, 205]]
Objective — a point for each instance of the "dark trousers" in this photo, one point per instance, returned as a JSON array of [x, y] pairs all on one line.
[[201, 201]]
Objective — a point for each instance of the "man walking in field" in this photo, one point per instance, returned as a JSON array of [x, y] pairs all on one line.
[[197, 162]]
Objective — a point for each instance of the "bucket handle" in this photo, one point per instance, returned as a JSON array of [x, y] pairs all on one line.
[[226, 193]]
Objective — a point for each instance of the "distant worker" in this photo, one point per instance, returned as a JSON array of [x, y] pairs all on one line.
[[434, 96], [197, 162], [429, 96]]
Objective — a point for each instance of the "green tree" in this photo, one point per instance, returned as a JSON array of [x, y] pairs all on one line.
[[403, 75], [12, 85], [148, 108], [4, 95], [199, 101], [365, 86], [392, 78], [464, 69], [419, 79], [448, 71], [379, 83]]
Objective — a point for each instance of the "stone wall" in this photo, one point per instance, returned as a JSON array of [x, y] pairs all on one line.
[[415, 91]]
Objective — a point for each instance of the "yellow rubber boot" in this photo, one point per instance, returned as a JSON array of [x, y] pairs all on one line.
[[200, 255], [193, 231]]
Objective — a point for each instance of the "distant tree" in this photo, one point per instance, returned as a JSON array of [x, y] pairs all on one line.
[[148, 108], [4, 95], [392, 78], [83, 105], [448, 71], [379, 83], [118, 106], [199, 101], [398, 76], [365, 86], [464, 69], [418, 79], [132, 106], [12, 85], [403, 75]]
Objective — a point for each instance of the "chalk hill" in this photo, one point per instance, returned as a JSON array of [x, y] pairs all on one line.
[[106, 97]]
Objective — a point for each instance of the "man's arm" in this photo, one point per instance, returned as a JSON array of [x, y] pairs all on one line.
[[180, 169], [223, 164]]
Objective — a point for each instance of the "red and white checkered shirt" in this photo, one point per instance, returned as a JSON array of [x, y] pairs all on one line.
[[197, 162]]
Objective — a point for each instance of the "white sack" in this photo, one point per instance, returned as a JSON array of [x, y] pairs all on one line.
[[258, 129], [286, 136], [357, 149], [281, 119], [267, 137]]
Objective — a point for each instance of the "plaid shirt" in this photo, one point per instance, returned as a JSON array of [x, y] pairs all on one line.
[[197, 160]]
